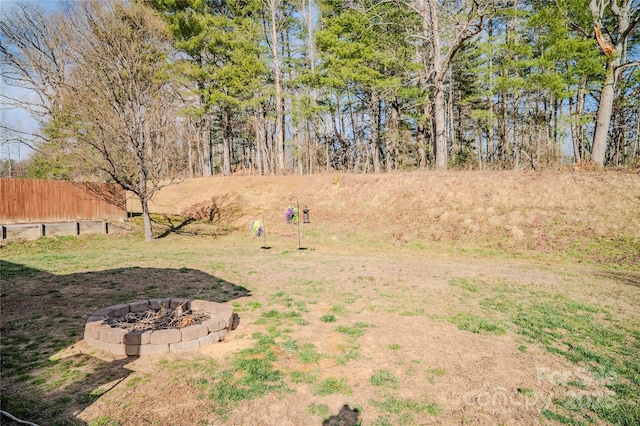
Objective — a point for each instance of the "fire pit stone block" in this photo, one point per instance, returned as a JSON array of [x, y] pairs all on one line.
[[210, 338], [92, 331], [104, 312], [159, 337], [112, 335], [214, 324], [137, 337], [180, 301], [219, 310], [157, 304], [194, 332], [227, 315], [120, 310], [199, 305], [141, 350], [141, 306], [184, 346], [114, 348], [96, 319]]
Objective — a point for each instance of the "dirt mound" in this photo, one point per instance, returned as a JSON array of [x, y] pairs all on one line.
[[544, 212]]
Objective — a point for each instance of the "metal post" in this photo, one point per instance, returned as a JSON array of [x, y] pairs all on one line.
[[264, 232], [298, 209]]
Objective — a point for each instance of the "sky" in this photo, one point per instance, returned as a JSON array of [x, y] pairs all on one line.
[[17, 118]]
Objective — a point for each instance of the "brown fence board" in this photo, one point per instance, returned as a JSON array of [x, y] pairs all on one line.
[[33, 200]]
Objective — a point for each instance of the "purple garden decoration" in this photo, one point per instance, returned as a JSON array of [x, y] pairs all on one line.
[[258, 229], [291, 215]]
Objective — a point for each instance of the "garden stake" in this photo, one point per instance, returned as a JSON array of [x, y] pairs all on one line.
[[298, 209], [264, 232]]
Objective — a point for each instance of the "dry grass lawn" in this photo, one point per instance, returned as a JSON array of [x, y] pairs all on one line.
[[476, 298]]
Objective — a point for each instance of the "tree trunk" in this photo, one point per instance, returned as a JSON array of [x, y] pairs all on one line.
[[577, 132], [491, 128], [421, 141], [308, 17], [273, 6], [603, 116], [259, 138], [353, 164], [190, 156], [424, 136], [450, 134], [299, 155], [623, 16], [146, 219], [478, 137], [501, 148], [439, 123], [207, 151], [394, 138], [226, 151], [375, 133], [143, 196]]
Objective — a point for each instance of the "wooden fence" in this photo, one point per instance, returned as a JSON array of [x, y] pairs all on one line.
[[32, 200]]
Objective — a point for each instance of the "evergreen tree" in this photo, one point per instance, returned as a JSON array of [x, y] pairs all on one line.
[[222, 62]]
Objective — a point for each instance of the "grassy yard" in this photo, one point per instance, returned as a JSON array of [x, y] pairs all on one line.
[[404, 328]]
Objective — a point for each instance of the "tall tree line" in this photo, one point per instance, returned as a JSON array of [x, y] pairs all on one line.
[[307, 86]]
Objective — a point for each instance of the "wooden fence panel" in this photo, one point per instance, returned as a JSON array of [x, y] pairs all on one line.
[[33, 200]]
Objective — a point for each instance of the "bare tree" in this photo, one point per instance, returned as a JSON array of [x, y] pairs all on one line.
[[118, 111], [272, 7], [34, 59], [446, 26], [625, 16]]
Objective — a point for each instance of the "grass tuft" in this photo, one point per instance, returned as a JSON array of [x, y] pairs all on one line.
[[386, 379], [332, 385], [321, 410], [328, 318], [478, 325], [403, 410]]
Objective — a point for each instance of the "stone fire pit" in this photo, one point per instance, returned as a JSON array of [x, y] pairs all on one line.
[[207, 322]]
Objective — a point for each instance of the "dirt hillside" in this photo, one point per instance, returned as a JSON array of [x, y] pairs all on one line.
[[549, 212]]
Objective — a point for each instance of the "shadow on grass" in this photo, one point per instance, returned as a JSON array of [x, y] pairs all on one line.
[[210, 218], [43, 316], [165, 225], [173, 228], [623, 277]]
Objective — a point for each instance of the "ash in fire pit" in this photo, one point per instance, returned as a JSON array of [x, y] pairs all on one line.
[[158, 326]]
